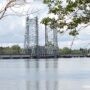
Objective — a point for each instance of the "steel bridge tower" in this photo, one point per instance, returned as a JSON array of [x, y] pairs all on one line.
[[51, 45], [55, 43], [26, 41], [31, 36]]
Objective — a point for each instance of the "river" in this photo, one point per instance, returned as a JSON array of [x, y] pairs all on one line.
[[45, 74]]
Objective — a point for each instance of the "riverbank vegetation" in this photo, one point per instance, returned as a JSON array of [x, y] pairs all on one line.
[[15, 49]]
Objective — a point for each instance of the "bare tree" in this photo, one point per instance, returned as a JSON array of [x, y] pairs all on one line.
[[7, 4], [9, 8]]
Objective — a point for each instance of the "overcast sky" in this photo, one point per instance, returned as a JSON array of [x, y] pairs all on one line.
[[12, 29]]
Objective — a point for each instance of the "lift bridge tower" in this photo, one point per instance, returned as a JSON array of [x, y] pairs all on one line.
[[31, 36], [51, 44]]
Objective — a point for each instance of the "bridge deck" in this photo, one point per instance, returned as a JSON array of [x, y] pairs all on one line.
[[14, 56], [23, 56]]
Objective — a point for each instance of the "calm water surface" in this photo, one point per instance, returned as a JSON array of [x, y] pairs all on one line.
[[45, 74]]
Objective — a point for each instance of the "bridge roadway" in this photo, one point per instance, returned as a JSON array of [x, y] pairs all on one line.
[[24, 56], [11, 56]]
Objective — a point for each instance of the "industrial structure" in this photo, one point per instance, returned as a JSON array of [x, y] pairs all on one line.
[[31, 42]]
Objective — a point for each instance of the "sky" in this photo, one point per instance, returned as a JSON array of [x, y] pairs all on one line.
[[12, 28]]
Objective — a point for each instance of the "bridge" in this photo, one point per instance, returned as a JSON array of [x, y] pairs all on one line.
[[31, 41], [25, 56]]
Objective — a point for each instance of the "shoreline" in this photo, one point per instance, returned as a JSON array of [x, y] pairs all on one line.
[[23, 56]]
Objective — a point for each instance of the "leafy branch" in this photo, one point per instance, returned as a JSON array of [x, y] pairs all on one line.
[[69, 16]]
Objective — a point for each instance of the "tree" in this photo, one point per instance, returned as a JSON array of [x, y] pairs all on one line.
[[6, 50], [1, 50], [16, 49], [6, 5], [66, 50], [7, 8], [69, 15]]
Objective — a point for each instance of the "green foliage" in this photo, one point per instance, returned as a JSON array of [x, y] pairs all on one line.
[[67, 51], [46, 21], [76, 11], [1, 50], [15, 49], [47, 1], [74, 32]]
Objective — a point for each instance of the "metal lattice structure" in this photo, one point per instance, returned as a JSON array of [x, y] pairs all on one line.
[[31, 36], [31, 43], [26, 41], [55, 43], [51, 41]]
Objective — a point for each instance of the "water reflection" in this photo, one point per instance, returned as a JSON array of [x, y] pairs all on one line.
[[37, 64], [55, 63], [52, 66], [49, 74], [44, 83], [37, 85], [28, 85], [27, 62]]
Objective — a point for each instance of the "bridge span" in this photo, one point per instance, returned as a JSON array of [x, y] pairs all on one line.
[[24, 56]]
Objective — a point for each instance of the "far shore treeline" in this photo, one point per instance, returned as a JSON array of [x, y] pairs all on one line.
[[16, 49]]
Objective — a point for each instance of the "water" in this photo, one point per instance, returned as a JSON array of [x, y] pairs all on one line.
[[45, 74]]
